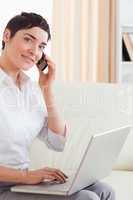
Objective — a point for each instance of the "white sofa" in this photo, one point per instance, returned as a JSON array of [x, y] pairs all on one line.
[[94, 107]]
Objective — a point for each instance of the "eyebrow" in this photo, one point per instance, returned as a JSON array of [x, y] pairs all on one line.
[[33, 37]]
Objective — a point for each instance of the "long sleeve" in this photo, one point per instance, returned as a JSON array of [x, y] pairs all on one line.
[[52, 140]]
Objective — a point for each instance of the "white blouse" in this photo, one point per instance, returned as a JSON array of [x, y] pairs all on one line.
[[23, 117]]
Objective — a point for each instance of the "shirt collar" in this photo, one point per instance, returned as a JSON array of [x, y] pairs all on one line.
[[6, 78]]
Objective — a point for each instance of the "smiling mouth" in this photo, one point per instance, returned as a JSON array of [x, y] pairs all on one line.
[[29, 60]]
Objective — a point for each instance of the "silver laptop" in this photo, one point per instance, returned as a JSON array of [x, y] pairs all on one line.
[[96, 163]]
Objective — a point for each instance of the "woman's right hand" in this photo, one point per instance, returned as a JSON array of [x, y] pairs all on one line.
[[40, 175]]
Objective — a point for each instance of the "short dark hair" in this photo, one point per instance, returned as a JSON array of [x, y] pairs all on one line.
[[25, 21]]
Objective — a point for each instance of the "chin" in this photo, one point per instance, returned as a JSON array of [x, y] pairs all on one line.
[[27, 67]]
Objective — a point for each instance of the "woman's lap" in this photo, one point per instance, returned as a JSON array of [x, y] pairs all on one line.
[[103, 190], [82, 195], [95, 192]]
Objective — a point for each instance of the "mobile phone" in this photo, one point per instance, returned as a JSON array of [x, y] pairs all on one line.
[[42, 63]]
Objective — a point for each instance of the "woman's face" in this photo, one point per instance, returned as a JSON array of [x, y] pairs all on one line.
[[26, 47]]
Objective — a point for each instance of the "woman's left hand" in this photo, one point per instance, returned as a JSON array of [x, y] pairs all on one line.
[[46, 79]]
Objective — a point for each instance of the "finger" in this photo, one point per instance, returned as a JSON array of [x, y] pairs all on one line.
[[53, 176], [59, 178], [61, 173], [49, 177], [50, 62], [51, 72], [57, 170], [51, 66], [47, 58], [56, 175]]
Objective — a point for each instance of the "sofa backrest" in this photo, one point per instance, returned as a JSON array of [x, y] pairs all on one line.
[[88, 109]]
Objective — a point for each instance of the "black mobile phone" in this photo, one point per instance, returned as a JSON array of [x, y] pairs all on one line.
[[42, 63]]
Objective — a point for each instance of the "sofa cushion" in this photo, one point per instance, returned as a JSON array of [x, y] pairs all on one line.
[[88, 109], [122, 182]]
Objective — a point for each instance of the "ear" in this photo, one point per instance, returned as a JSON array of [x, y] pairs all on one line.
[[6, 35]]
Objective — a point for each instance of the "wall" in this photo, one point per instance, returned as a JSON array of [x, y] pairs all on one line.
[[126, 12]]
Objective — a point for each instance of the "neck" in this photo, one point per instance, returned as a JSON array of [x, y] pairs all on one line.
[[7, 66]]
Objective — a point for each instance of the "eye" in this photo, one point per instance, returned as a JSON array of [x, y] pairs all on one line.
[[42, 47], [27, 39]]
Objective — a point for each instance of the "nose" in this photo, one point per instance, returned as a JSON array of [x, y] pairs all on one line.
[[34, 51]]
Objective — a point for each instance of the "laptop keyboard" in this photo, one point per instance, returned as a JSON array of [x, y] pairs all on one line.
[[57, 185], [50, 187]]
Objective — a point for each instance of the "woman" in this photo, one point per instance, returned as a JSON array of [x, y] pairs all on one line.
[[28, 110]]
